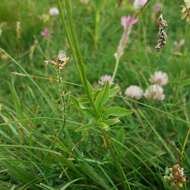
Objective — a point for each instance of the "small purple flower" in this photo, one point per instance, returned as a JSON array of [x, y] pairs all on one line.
[[105, 78], [45, 32], [156, 7], [127, 21], [139, 3]]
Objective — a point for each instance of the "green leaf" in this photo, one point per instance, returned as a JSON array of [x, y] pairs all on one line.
[[104, 125], [70, 183], [114, 90], [77, 103], [98, 4], [112, 121], [102, 97], [46, 187], [116, 111]]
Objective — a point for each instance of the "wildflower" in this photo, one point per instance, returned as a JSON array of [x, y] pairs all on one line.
[[127, 22], [84, 1], [134, 91], [60, 61], [45, 32], [186, 10], [139, 3], [104, 79], [53, 11], [154, 92], [159, 77], [156, 8], [175, 175], [162, 36]]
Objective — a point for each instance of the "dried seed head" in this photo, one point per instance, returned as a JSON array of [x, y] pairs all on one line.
[[175, 175], [162, 36], [185, 11], [187, 3], [60, 61]]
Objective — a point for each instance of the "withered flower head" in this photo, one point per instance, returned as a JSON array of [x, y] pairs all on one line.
[[60, 61], [185, 11], [175, 175], [162, 36]]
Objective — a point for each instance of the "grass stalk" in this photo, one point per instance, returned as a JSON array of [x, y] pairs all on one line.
[[186, 138], [66, 18], [115, 68]]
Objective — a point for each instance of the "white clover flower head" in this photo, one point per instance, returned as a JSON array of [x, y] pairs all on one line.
[[157, 7], [187, 3], [154, 92], [61, 55], [53, 11], [159, 77], [105, 78], [138, 4], [134, 91]]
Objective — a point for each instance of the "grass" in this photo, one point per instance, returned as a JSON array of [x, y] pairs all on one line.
[[59, 130]]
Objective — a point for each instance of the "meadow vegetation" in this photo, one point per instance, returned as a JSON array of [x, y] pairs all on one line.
[[94, 95]]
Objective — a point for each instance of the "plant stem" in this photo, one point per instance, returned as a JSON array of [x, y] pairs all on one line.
[[115, 69], [66, 18], [118, 58], [97, 23], [186, 138], [184, 144]]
